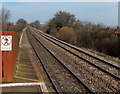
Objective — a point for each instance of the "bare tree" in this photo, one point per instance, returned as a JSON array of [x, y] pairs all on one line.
[[5, 14], [36, 24], [20, 24]]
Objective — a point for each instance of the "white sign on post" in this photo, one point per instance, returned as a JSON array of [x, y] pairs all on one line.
[[6, 43]]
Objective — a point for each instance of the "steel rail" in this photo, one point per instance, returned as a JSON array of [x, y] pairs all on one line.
[[90, 91], [75, 48], [103, 70], [49, 77]]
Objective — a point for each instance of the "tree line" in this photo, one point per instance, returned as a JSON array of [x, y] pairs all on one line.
[[66, 27], [18, 26]]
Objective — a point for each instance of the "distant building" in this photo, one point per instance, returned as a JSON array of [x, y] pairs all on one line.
[[15, 23]]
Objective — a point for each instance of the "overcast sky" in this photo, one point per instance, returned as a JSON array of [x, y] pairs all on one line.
[[96, 12]]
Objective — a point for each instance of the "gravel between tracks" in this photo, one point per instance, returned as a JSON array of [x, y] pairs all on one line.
[[93, 60], [63, 79], [97, 80]]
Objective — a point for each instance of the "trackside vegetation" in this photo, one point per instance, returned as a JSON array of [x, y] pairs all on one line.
[[66, 27], [97, 37]]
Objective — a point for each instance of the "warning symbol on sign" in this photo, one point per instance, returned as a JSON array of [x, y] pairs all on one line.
[[6, 43]]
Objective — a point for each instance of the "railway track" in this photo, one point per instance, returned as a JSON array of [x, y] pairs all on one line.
[[69, 82], [103, 65], [79, 50], [93, 78]]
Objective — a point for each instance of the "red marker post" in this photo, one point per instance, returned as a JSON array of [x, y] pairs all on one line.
[[9, 48]]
